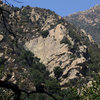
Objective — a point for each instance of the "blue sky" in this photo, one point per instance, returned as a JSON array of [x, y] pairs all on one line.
[[61, 7]]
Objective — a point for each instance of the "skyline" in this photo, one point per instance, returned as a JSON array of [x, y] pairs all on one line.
[[61, 7]]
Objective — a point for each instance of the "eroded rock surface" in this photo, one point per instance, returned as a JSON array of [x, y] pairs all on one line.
[[53, 53]]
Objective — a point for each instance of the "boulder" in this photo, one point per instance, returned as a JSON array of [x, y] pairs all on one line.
[[1, 37]]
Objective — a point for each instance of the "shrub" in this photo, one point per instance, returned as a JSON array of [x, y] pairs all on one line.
[[58, 72], [45, 33], [37, 77], [1, 65], [92, 92], [26, 58], [65, 41], [52, 85]]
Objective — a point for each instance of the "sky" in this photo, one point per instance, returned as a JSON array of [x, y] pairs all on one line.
[[61, 7]]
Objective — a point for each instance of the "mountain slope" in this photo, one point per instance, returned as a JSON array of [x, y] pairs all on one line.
[[59, 47], [49, 37], [37, 33], [88, 20]]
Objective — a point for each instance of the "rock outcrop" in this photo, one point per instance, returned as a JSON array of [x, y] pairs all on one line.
[[53, 53], [1, 37]]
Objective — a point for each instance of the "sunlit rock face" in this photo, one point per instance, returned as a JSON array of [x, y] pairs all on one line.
[[53, 53]]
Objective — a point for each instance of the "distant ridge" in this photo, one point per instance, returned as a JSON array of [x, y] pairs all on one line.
[[89, 20]]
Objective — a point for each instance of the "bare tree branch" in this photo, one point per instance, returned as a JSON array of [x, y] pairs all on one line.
[[17, 1], [13, 87], [17, 91]]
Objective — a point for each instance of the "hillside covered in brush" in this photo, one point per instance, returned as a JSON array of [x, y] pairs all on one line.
[[40, 51]]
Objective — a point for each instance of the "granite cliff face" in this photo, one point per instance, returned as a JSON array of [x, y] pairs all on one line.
[[53, 53], [88, 20]]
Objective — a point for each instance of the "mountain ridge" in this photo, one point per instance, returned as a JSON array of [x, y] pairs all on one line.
[[87, 20]]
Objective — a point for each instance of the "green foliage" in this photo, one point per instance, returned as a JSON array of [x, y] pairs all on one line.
[[38, 71], [39, 97], [5, 93], [20, 30], [40, 67], [1, 61], [27, 58], [1, 69], [65, 41], [73, 33], [92, 92], [52, 85], [94, 53], [37, 77], [45, 33], [70, 94], [58, 72], [73, 94], [1, 65], [16, 9]]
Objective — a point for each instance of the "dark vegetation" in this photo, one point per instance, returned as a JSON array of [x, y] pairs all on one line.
[[65, 41], [45, 33], [58, 72]]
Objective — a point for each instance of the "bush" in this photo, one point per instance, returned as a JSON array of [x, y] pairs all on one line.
[[45, 33], [92, 92], [52, 85], [37, 77], [65, 41], [1, 65], [58, 72], [74, 35], [26, 58]]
